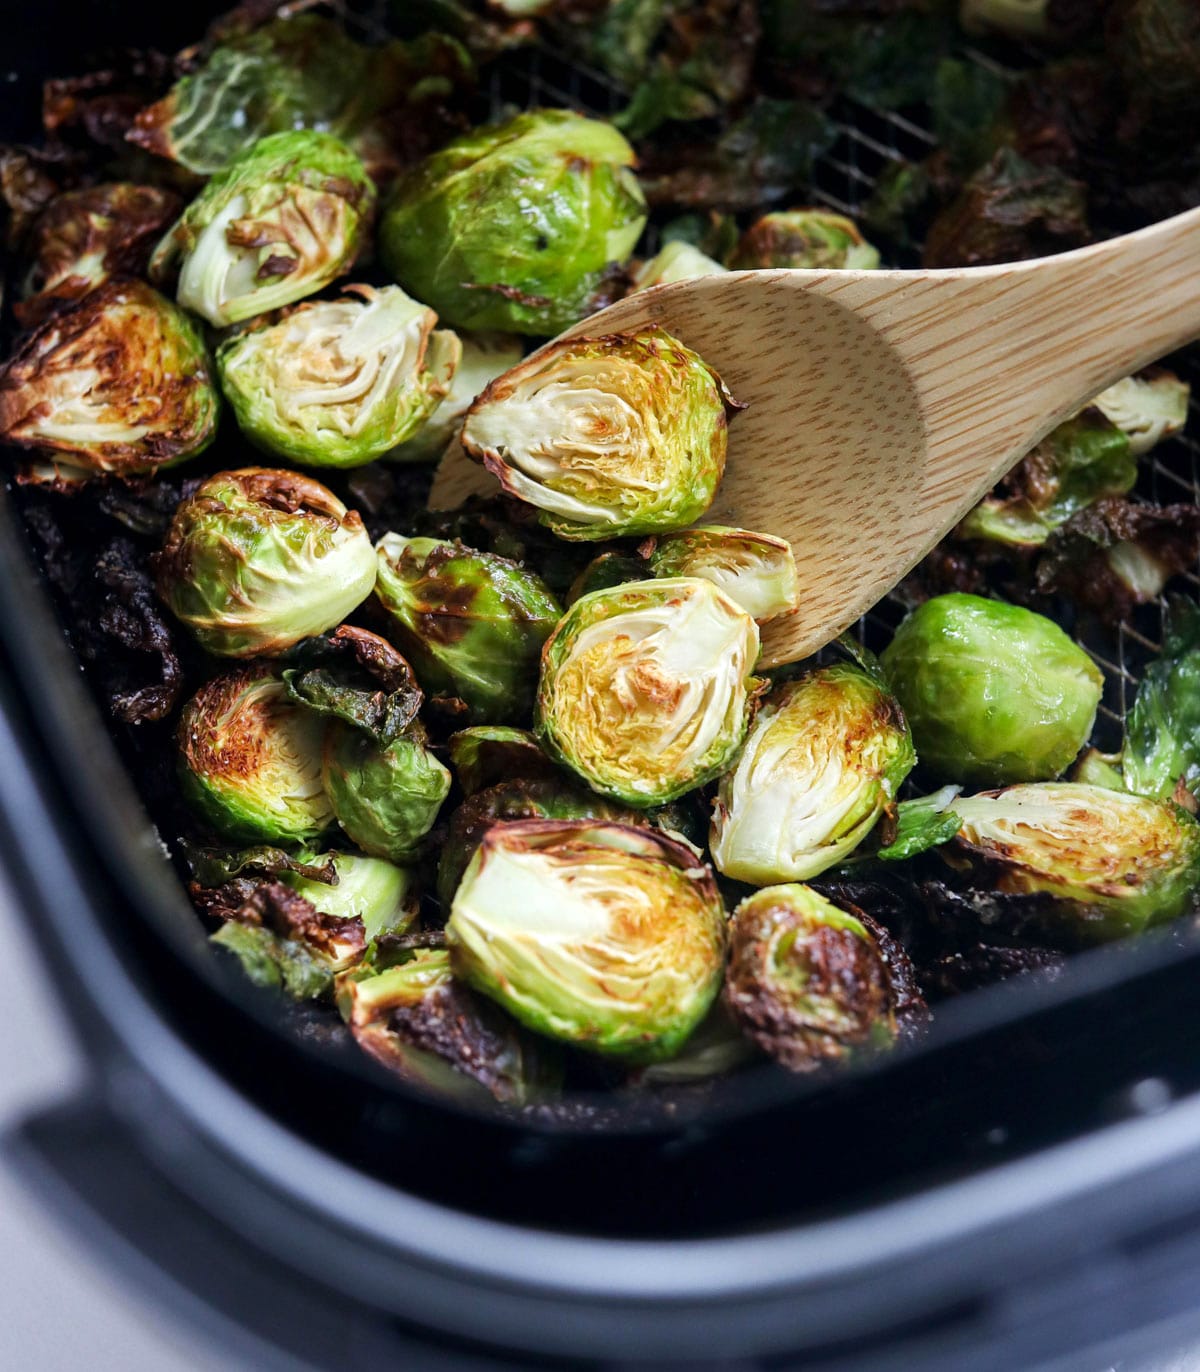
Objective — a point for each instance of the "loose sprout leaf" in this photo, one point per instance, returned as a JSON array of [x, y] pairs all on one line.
[[1162, 741], [921, 825], [212, 866], [487, 754]]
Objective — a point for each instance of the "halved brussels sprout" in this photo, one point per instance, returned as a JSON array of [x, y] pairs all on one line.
[[282, 220], [117, 384], [385, 798], [756, 571], [677, 261], [84, 238], [250, 759], [419, 1022], [646, 688], [804, 238], [336, 383], [606, 436], [1147, 408], [484, 357], [809, 983], [993, 693], [257, 559], [489, 753], [824, 759], [1097, 864], [379, 895], [472, 623], [602, 935], [516, 226]]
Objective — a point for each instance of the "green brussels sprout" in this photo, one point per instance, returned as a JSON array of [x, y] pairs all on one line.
[[1162, 732], [824, 759], [1096, 864], [488, 753], [1094, 768], [993, 693], [484, 357], [116, 384], [1076, 464], [336, 383], [922, 824], [250, 759], [1057, 20], [1147, 408], [512, 799], [756, 571], [678, 261], [378, 894], [472, 623], [282, 220], [606, 936], [606, 436], [812, 985], [256, 560], [386, 798], [84, 238], [812, 238], [646, 689], [418, 1021], [516, 226]]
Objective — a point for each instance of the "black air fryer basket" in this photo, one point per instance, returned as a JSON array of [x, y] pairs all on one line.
[[1022, 1186]]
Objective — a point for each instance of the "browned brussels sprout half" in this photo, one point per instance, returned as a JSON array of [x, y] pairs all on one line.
[[258, 559], [813, 985], [756, 571], [117, 384], [809, 239], [85, 237]]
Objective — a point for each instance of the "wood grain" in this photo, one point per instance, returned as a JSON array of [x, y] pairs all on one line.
[[883, 405]]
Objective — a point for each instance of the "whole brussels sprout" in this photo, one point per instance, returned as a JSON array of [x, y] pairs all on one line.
[[489, 753], [336, 383], [606, 436], [472, 623], [516, 226], [117, 384], [84, 238], [678, 261], [484, 357], [378, 894], [386, 798], [811, 984], [646, 689], [282, 220], [993, 693], [256, 560], [434, 1032], [804, 238], [1094, 864], [756, 571], [250, 759], [824, 759], [1147, 408], [602, 935]]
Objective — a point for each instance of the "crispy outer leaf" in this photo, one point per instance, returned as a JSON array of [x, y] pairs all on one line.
[[922, 824], [357, 676], [1162, 744]]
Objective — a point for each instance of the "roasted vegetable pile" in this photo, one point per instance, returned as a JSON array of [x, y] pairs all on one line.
[[504, 785]]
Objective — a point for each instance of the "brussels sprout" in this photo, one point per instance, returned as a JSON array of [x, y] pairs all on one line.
[[419, 1022], [83, 238], [823, 760], [646, 689], [606, 571], [676, 262], [518, 798], [250, 759], [1096, 864], [489, 753], [1060, 20], [1162, 743], [1094, 768], [473, 623], [810, 984], [602, 935], [606, 436], [385, 798], [810, 238], [484, 357], [1147, 408], [335, 383], [1081, 461], [379, 895], [257, 559], [516, 226], [281, 221], [993, 693], [117, 384], [756, 571]]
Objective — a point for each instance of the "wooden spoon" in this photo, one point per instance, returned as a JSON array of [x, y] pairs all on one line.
[[883, 405]]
